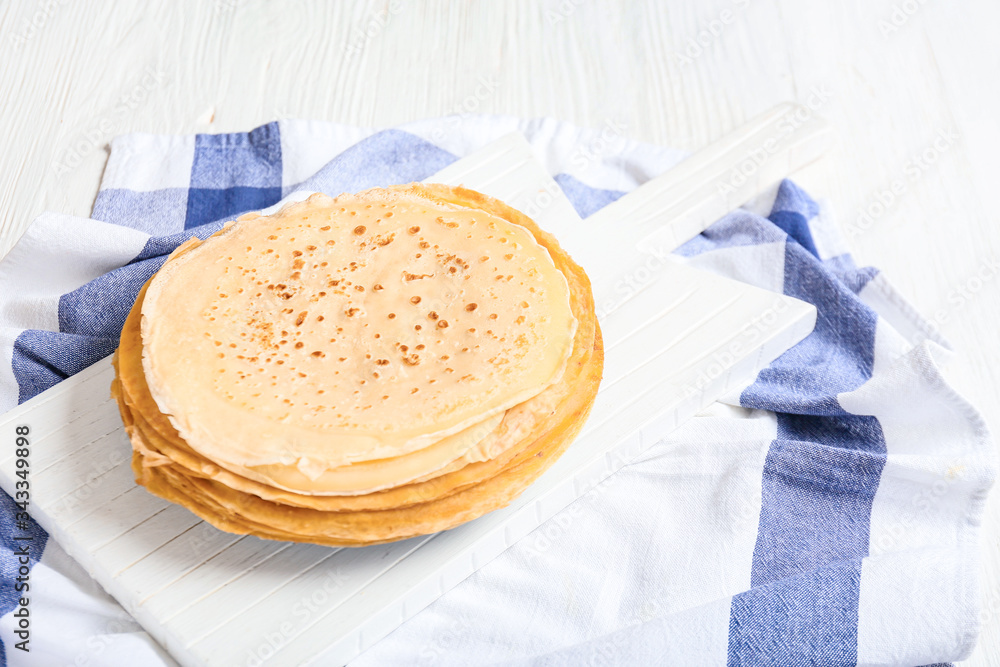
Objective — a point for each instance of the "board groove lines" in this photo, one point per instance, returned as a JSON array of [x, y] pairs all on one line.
[[650, 338], [662, 371], [620, 335], [98, 491], [67, 414], [95, 457], [87, 431], [270, 578], [109, 522], [341, 578], [243, 556], [184, 553]]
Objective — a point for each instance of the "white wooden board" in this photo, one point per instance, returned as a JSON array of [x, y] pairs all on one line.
[[211, 598]]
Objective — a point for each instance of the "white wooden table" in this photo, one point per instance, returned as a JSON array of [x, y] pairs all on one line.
[[911, 86]]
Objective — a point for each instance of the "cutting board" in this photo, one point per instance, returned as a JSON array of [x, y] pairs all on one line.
[[674, 344]]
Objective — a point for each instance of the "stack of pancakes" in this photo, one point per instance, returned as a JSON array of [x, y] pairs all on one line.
[[358, 370]]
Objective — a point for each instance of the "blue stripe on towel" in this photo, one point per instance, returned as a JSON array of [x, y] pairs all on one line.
[[234, 173], [819, 480], [389, 157]]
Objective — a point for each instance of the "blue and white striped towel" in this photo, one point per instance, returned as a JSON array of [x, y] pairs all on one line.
[[828, 514]]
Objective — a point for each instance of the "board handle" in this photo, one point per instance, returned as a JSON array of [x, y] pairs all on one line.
[[665, 212]]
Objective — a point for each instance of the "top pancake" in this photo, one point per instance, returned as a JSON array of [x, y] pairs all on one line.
[[352, 329]]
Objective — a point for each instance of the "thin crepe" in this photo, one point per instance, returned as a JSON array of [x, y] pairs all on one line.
[[351, 329], [168, 467]]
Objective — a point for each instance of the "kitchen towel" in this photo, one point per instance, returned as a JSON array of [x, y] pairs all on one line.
[[826, 514]]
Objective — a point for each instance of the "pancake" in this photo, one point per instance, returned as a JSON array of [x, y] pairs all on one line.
[[517, 424], [442, 471], [160, 438], [233, 511], [350, 329]]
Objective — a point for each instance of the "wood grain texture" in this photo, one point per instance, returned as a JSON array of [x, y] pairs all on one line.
[[73, 75]]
